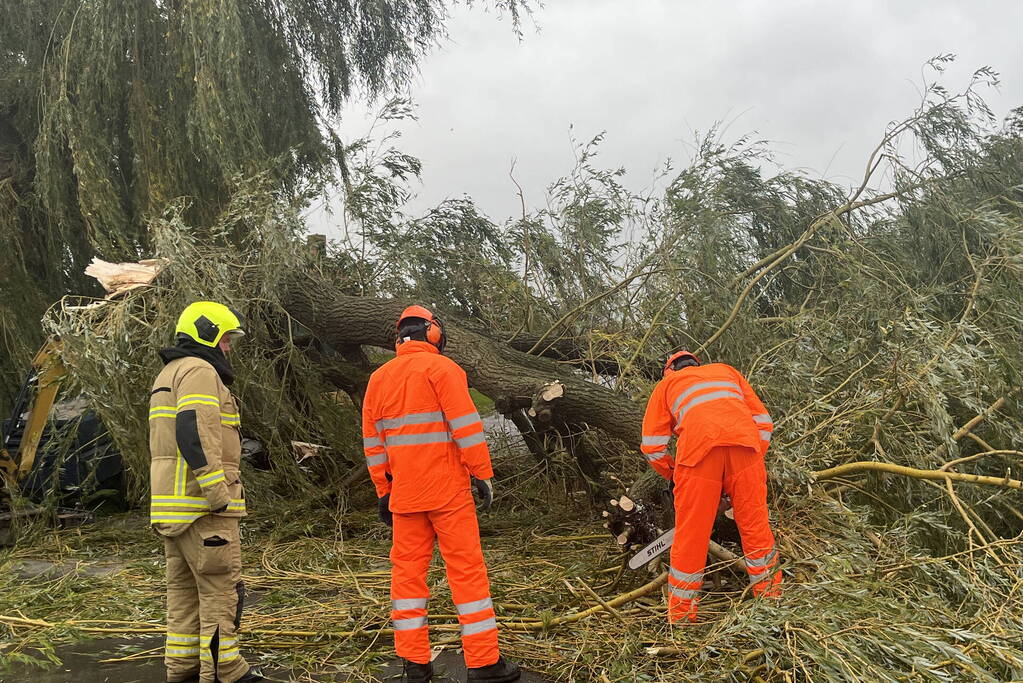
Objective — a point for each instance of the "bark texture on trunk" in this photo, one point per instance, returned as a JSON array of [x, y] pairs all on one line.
[[494, 368]]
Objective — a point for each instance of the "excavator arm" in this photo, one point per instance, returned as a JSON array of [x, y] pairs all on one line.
[[43, 384]]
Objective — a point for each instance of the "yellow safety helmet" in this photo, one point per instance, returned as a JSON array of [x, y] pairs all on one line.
[[206, 322]]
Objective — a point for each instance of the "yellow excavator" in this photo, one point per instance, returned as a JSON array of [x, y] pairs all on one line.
[[21, 444], [47, 374]]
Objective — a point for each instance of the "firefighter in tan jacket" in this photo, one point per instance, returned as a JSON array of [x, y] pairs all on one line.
[[197, 497]]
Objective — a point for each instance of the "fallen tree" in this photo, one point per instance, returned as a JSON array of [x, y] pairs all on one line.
[[881, 329]]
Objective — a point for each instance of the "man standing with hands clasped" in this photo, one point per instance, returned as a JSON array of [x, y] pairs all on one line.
[[424, 447], [198, 497]]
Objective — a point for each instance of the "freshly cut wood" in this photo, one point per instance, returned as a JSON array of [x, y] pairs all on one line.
[[118, 278], [552, 391]]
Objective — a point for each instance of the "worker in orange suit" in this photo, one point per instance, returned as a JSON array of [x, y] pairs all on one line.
[[722, 432], [425, 450]]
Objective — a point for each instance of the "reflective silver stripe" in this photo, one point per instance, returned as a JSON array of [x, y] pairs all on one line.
[[182, 651], [177, 518], [762, 418], [210, 477], [471, 440], [409, 603], [703, 385], [464, 421], [372, 442], [210, 482], [683, 593], [372, 460], [474, 606], [765, 435], [654, 457], [712, 396], [410, 419], [763, 561], [185, 501], [409, 624], [656, 440], [479, 627], [413, 439], [757, 578], [686, 576]]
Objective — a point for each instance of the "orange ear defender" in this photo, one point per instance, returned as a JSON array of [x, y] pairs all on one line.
[[435, 332]]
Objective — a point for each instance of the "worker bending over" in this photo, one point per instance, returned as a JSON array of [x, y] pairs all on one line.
[[722, 431], [197, 497], [423, 441]]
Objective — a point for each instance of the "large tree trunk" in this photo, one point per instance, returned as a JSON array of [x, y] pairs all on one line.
[[513, 379], [508, 376]]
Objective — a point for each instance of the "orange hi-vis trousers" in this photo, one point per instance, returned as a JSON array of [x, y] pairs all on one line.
[[457, 532], [741, 472]]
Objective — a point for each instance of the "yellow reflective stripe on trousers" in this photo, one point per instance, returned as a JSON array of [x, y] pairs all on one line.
[[226, 649], [183, 637]]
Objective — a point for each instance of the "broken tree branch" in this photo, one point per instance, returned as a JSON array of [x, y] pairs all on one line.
[[934, 475]]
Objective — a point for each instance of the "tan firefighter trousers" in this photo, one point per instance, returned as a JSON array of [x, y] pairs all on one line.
[[205, 595]]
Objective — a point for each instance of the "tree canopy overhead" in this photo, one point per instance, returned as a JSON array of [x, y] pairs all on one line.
[[109, 111]]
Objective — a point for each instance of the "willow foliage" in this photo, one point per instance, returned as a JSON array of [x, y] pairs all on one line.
[[109, 111]]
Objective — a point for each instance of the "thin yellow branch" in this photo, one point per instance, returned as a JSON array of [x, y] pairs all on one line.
[[934, 475]]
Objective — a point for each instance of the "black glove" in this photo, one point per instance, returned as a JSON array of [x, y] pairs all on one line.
[[384, 510], [485, 491], [219, 509]]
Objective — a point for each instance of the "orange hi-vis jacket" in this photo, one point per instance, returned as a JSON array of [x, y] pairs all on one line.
[[704, 406], [421, 433]]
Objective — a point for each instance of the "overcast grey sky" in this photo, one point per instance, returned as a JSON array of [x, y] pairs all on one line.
[[818, 79]]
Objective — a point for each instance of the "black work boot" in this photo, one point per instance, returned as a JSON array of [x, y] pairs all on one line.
[[501, 671], [416, 673], [253, 675]]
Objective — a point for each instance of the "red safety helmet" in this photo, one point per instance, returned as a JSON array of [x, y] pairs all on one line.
[[677, 356], [434, 327]]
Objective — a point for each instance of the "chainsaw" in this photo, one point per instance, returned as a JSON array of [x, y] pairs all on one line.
[[662, 543]]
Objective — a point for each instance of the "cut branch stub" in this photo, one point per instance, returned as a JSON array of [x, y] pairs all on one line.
[[542, 407]]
